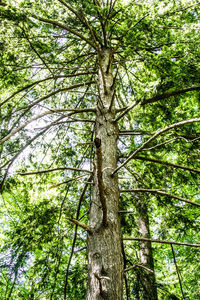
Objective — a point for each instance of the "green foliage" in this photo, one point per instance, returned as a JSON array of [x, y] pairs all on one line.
[[156, 52]]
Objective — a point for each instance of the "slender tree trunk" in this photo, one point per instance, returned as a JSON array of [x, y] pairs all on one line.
[[105, 261], [147, 278]]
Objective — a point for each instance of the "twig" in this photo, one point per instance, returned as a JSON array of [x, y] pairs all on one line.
[[35, 50], [80, 249], [161, 144]]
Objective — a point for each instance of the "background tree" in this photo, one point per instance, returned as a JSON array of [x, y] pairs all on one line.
[[99, 142]]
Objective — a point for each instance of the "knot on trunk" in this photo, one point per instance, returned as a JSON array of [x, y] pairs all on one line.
[[97, 142]]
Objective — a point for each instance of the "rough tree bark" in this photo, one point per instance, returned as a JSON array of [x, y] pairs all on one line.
[[147, 278], [105, 261]]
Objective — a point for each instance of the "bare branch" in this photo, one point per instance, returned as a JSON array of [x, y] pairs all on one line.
[[135, 132], [76, 222], [138, 266], [161, 242], [14, 131], [167, 163], [83, 20], [177, 270], [42, 80], [55, 169], [58, 122], [18, 153], [157, 98], [65, 182], [129, 28], [80, 120], [156, 191], [56, 23], [75, 236], [127, 110], [175, 125], [185, 8], [56, 92], [164, 96], [126, 212], [48, 112]]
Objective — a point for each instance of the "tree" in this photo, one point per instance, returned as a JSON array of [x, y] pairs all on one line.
[[87, 87]]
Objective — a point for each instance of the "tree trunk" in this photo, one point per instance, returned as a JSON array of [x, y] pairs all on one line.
[[105, 260], [147, 278]]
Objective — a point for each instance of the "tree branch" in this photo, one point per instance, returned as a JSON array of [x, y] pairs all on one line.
[[65, 182], [161, 242], [166, 95], [42, 80], [93, 34], [157, 98], [167, 163], [16, 155], [138, 266], [75, 236], [55, 169], [126, 212], [135, 132], [56, 23], [155, 191], [177, 270], [129, 28], [76, 222], [35, 51], [83, 20], [48, 112], [127, 110], [56, 92], [58, 122], [175, 125]]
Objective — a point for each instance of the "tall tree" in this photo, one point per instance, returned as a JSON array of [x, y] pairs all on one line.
[[86, 87]]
